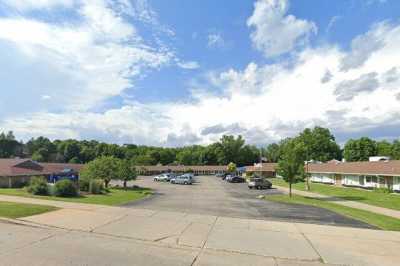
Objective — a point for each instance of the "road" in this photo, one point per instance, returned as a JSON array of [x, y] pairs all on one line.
[[213, 196]]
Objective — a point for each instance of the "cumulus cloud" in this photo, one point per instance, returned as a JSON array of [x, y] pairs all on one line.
[[348, 89], [269, 20], [262, 102], [94, 58], [327, 77], [364, 46]]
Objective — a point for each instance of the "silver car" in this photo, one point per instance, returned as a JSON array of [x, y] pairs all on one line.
[[183, 180], [162, 177]]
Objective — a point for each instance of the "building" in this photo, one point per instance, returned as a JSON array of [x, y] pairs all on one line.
[[262, 169], [18, 172], [180, 169], [371, 174]]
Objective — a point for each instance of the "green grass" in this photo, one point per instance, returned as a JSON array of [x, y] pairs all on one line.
[[380, 199], [18, 210], [378, 220], [114, 197]]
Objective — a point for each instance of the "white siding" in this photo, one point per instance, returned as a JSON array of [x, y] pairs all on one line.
[[351, 180], [322, 178], [396, 183]]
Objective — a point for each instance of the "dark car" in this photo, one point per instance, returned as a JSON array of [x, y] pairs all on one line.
[[259, 183], [236, 179]]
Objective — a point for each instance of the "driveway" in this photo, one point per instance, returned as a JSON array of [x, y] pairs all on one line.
[[212, 196]]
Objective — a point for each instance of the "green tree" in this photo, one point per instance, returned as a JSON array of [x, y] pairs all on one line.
[[395, 150], [231, 167], [320, 144], [273, 152], [384, 148], [229, 149], [126, 171], [291, 165], [360, 149], [104, 168]]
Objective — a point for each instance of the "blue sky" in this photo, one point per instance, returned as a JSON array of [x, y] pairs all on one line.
[[179, 72]]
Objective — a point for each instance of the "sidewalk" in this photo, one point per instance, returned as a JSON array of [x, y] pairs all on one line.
[[102, 235], [347, 203]]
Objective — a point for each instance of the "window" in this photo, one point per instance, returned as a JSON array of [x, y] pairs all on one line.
[[371, 179]]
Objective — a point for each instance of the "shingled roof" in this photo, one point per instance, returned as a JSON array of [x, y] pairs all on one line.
[[386, 168], [264, 167], [28, 167]]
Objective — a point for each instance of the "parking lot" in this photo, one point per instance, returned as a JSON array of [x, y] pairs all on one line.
[[213, 196]]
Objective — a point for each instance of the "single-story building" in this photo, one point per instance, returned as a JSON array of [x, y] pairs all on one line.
[[370, 174], [262, 169], [180, 169], [18, 172]]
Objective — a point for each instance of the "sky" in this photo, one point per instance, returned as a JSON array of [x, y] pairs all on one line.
[[173, 73]]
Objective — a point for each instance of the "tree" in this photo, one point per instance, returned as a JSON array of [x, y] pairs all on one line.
[[273, 152], [384, 148], [360, 149], [395, 150], [292, 163], [104, 168], [126, 171], [231, 168], [320, 144], [229, 149]]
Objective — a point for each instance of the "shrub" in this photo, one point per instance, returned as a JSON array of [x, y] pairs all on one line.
[[38, 186], [96, 186], [65, 188], [84, 184]]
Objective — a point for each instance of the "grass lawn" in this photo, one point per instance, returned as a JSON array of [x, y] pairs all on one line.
[[114, 197], [18, 210], [361, 195], [378, 220]]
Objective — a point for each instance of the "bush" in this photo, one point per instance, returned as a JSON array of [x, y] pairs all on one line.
[[65, 188], [96, 186], [84, 184], [38, 186]]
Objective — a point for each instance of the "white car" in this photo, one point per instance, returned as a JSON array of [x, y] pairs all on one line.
[[162, 178]]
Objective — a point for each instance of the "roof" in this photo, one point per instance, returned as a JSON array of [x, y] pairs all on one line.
[[264, 167], [156, 168], [388, 168], [27, 167]]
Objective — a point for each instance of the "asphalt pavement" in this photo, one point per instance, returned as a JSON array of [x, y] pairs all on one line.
[[212, 196]]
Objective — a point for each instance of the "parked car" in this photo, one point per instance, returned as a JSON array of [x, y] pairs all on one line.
[[182, 179], [237, 179], [259, 183], [220, 175], [162, 177], [227, 177]]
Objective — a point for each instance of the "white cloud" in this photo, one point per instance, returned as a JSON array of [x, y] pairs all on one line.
[[189, 65], [275, 32], [26, 5], [96, 57], [332, 22], [262, 102], [364, 46], [215, 40]]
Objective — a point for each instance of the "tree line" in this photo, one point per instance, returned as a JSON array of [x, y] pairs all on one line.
[[41, 149], [319, 144], [314, 144]]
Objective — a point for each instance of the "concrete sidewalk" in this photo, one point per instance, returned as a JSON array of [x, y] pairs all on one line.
[[98, 235], [348, 203]]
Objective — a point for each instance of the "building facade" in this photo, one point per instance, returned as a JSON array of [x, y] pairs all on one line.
[[372, 174], [262, 169], [18, 172]]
